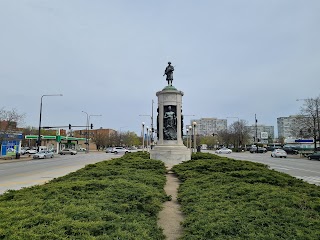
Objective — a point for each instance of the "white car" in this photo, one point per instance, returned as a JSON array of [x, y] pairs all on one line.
[[43, 155], [31, 151], [68, 151], [279, 153], [117, 150], [223, 150]]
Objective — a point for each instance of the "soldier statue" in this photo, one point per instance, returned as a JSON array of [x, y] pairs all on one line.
[[169, 72]]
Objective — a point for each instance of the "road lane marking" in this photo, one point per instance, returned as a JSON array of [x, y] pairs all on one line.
[[293, 168], [314, 180]]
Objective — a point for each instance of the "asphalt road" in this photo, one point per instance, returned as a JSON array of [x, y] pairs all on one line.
[[294, 165], [16, 175]]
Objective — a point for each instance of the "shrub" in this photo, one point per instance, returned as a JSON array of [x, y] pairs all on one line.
[[230, 199], [116, 199]]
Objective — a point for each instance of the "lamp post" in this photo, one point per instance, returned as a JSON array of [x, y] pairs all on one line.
[[194, 136], [187, 137], [143, 136], [238, 130], [87, 132], [190, 134], [147, 130], [39, 132], [151, 122]]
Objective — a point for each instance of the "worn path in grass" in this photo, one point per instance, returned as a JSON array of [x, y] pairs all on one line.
[[171, 216]]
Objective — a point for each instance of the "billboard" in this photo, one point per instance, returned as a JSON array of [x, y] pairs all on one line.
[[264, 135]]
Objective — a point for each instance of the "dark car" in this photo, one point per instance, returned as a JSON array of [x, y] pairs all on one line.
[[260, 150], [290, 150], [315, 155]]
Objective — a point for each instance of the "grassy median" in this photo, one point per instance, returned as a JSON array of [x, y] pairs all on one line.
[[224, 198], [115, 199]]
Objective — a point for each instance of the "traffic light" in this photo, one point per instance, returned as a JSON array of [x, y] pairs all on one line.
[[91, 126], [70, 126]]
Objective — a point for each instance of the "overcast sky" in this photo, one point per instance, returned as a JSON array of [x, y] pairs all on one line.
[[232, 58]]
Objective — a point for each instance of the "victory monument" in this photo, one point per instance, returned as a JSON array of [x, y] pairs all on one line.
[[170, 147]]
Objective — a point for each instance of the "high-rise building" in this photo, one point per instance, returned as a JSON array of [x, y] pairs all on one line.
[[286, 126], [208, 126], [257, 133]]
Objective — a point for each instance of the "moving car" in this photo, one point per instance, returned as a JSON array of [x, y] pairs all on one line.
[[117, 150], [68, 151], [43, 154], [290, 150], [279, 153], [315, 155], [223, 150]]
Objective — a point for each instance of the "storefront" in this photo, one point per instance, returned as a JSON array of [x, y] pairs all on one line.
[[11, 144], [58, 142]]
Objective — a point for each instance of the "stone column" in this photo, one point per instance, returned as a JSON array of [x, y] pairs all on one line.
[[170, 146]]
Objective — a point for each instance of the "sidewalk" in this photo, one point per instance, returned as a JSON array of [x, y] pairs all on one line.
[[13, 159]]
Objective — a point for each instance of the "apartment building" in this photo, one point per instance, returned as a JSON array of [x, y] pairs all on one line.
[[285, 126], [259, 132], [207, 126]]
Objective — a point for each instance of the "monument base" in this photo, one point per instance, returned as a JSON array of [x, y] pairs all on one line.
[[170, 154]]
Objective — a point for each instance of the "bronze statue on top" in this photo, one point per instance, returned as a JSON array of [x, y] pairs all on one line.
[[169, 72]]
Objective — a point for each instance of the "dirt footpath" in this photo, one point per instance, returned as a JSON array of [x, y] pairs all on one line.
[[170, 217]]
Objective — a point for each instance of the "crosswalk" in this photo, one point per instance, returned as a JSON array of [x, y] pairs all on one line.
[[312, 180]]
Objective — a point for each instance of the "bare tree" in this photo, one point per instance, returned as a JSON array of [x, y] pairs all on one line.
[[9, 119], [308, 123], [238, 133]]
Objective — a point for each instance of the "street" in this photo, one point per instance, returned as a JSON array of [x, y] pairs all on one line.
[[294, 165], [16, 175]]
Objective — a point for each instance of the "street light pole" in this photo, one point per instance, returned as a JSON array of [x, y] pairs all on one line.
[[194, 137], [143, 136], [147, 128], [39, 131], [190, 134], [187, 137]]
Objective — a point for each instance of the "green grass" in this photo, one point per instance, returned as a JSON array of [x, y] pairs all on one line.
[[228, 199], [116, 199]]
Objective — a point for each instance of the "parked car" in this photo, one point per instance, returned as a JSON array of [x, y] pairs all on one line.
[[223, 150], [117, 150], [31, 151], [290, 150], [43, 154], [82, 149], [109, 150], [260, 150], [279, 153], [23, 151], [315, 155], [68, 151]]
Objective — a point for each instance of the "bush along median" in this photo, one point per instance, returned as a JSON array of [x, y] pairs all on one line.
[[229, 199], [115, 199]]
